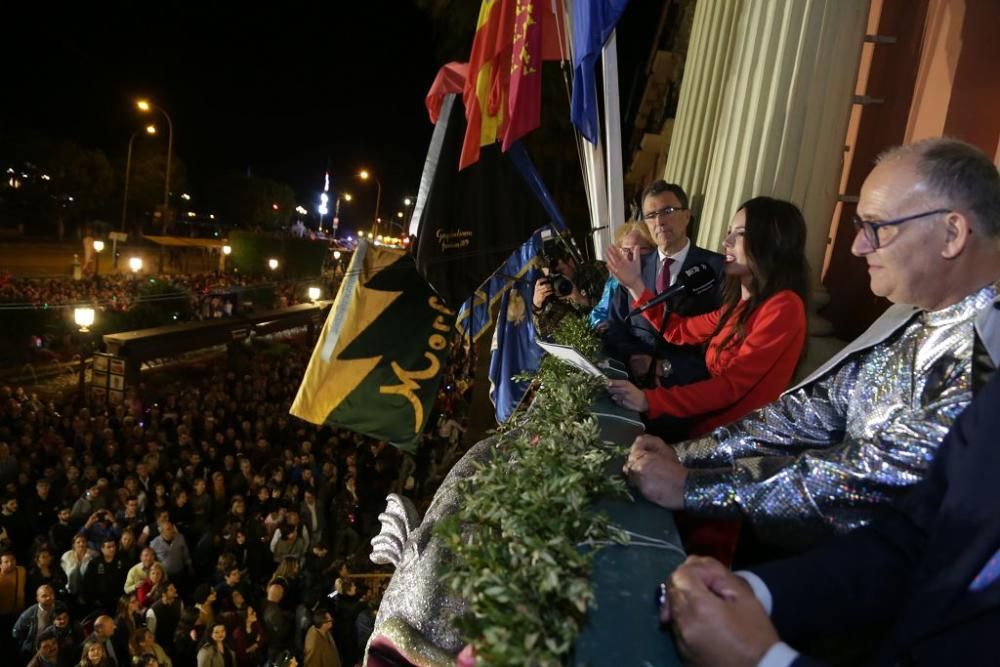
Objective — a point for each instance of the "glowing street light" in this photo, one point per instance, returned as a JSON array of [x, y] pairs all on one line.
[[146, 107], [364, 175], [272, 263], [84, 318], [343, 196], [98, 247], [336, 254], [314, 293], [135, 263], [226, 251], [186, 197], [409, 203], [150, 130]]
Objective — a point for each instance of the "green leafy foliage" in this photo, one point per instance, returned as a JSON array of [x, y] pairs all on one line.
[[522, 561], [298, 258], [249, 201]]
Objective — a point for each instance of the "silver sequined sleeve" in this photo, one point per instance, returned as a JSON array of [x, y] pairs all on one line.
[[796, 500], [819, 460], [807, 418]]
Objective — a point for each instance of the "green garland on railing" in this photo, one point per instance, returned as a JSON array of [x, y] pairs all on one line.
[[517, 542]]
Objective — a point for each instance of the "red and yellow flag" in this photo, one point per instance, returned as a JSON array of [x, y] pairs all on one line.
[[502, 92]]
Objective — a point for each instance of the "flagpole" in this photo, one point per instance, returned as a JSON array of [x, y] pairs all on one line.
[[613, 134], [591, 162], [593, 157]]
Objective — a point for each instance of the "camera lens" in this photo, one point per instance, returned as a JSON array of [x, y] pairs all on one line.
[[561, 285]]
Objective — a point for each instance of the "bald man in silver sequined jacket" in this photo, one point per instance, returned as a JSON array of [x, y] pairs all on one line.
[[863, 428]]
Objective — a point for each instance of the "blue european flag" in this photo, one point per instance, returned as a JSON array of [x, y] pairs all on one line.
[[514, 350], [593, 21]]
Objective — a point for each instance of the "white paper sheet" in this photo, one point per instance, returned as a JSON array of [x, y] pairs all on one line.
[[572, 357]]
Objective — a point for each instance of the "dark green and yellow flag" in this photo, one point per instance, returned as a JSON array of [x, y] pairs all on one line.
[[377, 365]]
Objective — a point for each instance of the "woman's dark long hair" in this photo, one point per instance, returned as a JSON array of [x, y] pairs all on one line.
[[228, 656], [774, 241]]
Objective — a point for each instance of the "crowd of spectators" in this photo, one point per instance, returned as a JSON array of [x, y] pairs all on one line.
[[198, 523], [198, 297], [209, 292]]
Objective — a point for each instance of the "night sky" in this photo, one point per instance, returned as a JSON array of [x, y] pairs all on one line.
[[278, 90], [281, 90]]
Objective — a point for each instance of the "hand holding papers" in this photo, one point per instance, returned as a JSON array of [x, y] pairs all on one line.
[[603, 405], [570, 356]]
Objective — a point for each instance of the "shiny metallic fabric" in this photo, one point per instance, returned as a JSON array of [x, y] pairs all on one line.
[[399, 519], [820, 459], [415, 616]]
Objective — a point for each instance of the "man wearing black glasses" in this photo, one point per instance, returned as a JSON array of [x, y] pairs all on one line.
[[863, 429], [634, 340]]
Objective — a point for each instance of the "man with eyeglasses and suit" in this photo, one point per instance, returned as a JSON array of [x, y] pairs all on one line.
[[864, 428], [633, 340]]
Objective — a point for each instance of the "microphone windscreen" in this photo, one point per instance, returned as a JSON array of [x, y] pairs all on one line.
[[698, 278]]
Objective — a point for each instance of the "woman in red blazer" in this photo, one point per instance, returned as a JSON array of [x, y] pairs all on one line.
[[754, 340]]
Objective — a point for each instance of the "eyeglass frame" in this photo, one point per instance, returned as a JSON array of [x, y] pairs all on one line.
[[663, 212], [873, 239]]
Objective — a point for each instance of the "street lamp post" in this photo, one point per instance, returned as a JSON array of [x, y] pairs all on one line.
[[364, 175], [84, 318], [345, 196], [150, 129], [144, 105], [98, 247], [409, 203]]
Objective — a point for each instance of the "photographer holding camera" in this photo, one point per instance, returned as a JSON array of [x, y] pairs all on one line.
[[565, 288], [100, 526]]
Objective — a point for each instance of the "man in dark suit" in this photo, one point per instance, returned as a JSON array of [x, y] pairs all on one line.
[[929, 570], [635, 341]]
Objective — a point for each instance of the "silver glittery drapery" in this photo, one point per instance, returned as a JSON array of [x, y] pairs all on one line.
[[817, 461]]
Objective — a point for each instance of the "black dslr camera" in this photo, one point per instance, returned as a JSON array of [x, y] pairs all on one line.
[[561, 285]]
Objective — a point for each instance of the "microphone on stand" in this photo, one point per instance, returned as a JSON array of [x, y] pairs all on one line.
[[698, 279]]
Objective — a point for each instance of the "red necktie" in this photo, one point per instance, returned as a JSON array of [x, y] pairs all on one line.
[[663, 279]]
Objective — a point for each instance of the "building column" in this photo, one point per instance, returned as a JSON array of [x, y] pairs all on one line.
[[787, 101], [713, 35], [764, 109]]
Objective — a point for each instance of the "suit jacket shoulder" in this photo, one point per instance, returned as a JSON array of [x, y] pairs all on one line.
[[699, 254], [913, 567]]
